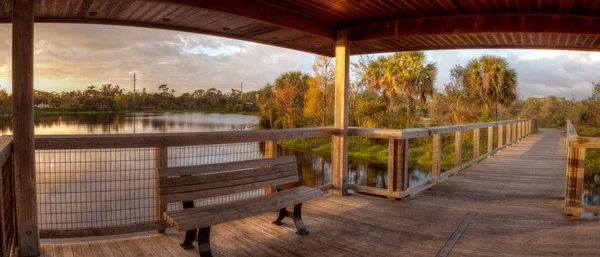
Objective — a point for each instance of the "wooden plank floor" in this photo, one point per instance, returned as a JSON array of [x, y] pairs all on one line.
[[508, 205]]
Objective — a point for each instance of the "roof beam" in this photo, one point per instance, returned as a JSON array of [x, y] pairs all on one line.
[[484, 23], [263, 12]]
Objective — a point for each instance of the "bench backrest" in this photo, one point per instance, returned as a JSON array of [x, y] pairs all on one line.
[[186, 183]]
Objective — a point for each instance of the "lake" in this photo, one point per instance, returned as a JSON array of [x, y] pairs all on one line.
[[112, 187]]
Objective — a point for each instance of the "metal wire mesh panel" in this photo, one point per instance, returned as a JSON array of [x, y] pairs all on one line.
[[368, 161], [94, 188], [314, 159], [211, 154], [591, 185], [8, 225], [420, 159]]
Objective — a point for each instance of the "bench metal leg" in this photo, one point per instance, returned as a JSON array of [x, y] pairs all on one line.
[[282, 215], [204, 242], [301, 229], [190, 235]]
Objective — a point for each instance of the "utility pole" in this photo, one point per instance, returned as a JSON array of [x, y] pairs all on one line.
[[242, 87], [134, 79]]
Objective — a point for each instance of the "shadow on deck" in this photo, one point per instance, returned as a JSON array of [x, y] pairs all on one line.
[[517, 197]]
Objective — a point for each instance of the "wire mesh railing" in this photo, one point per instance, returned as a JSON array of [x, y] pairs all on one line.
[[86, 189], [8, 229], [415, 159]]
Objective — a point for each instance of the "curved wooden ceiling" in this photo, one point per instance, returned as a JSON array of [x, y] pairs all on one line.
[[375, 25]]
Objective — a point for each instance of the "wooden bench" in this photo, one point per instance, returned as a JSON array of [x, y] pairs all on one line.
[[185, 184]]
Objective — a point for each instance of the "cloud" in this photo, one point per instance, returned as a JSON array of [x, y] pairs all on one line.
[[74, 56], [540, 72]]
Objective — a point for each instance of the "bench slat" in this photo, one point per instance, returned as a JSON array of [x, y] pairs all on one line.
[[211, 215], [219, 167], [216, 177], [226, 183], [180, 197]]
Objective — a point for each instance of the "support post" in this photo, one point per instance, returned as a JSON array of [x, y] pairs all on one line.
[[403, 183], [437, 156], [161, 160], [23, 127], [575, 174], [476, 137], [500, 135], [458, 138], [397, 165], [490, 139], [393, 175], [339, 155], [270, 152]]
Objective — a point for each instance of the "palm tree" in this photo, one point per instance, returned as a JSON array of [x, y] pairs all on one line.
[[492, 81], [406, 73]]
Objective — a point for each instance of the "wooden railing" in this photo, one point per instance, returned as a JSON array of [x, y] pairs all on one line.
[[102, 167], [8, 223], [509, 132], [576, 151], [76, 173]]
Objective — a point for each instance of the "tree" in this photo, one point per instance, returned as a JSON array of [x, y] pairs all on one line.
[[319, 95], [406, 73], [491, 79]]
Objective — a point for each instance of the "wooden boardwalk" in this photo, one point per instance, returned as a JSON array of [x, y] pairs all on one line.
[[508, 205]]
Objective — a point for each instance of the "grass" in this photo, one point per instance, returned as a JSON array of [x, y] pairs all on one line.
[[375, 150]]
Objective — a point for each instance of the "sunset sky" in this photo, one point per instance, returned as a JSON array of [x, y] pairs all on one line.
[[70, 57]]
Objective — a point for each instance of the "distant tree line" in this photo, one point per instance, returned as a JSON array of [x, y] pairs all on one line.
[[108, 97]]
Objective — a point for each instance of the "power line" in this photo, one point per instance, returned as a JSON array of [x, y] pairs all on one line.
[[134, 80]]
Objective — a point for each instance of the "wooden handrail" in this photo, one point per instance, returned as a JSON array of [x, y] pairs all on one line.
[[424, 132], [55, 142], [398, 148]]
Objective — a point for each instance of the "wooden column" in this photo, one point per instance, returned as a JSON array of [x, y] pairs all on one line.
[[270, 152], [458, 136], [476, 137], [339, 154], [575, 173], [397, 165], [161, 160], [436, 168], [514, 131], [23, 138], [508, 135], [490, 139], [500, 135]]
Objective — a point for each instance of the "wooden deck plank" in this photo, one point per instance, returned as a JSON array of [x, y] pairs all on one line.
[[518, 195]]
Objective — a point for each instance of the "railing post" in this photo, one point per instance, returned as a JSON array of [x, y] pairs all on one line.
[[397, 166], [476, 137], [339, 155], [575, 173], [490, 140], [403, 183], [500, 135], [436, 168], [458, 136], [161, 160], [23, 126], [514, 132], [508, 134], [519, 130], [270, 152]]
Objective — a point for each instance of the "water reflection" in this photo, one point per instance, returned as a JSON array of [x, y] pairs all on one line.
[[126, 123]]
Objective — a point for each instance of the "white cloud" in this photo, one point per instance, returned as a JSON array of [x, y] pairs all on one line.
[[74, 56]]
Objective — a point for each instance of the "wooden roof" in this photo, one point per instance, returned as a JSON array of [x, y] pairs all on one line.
[[375, 25]]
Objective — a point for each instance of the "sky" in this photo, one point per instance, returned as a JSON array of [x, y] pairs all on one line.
[[74, 56]]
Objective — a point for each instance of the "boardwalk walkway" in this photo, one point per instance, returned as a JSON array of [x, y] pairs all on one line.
[[508, 205]]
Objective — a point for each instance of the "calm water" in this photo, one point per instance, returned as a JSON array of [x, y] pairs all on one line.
[[113, 187]]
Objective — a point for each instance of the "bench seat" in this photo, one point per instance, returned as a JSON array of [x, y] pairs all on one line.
[[199, 217]]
